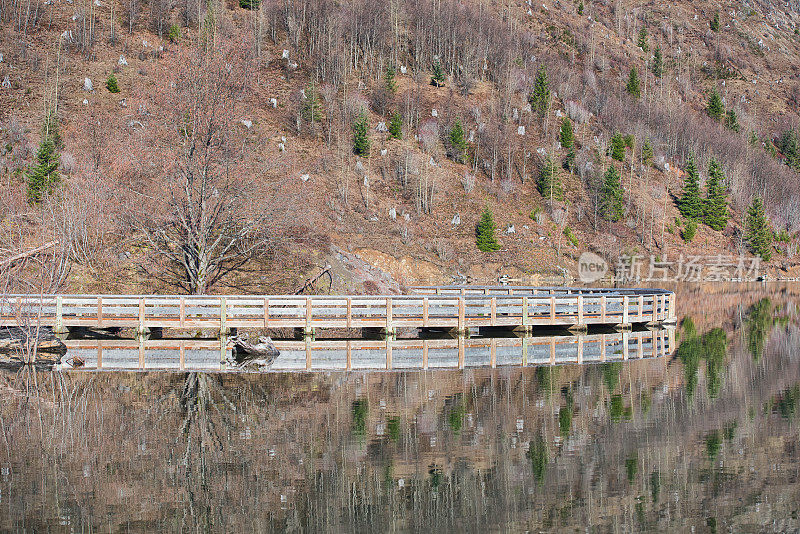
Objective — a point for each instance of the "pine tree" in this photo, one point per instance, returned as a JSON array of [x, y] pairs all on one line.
[[715, 109], [658, 62], [438, 75], [647, 152], [731, 121], [715, 212], [111, 84], [540, 96], [611, 194], [758, 234], [396, 126], [567, 136], [642, 42], [310, 109], [689, 231], [618, 146], [485, 238], [549, 182], [389, 81], [43, 177], [690, 204], [360, 137], [580, 8], [457, 141], [715, 22], [633, 87], [569, 161], [789, 144]]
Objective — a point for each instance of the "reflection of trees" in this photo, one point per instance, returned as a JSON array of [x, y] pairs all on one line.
[[758, 325], [694, 348]]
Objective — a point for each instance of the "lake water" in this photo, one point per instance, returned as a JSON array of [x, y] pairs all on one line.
[[704, 437]]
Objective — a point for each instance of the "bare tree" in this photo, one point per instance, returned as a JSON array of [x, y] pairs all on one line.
[[207, 218]]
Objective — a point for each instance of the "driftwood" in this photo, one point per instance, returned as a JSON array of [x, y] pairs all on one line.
[[246, 355], [15, 339], [28, 253]]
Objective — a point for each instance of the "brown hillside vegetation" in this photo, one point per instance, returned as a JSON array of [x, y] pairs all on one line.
[[226, 160]]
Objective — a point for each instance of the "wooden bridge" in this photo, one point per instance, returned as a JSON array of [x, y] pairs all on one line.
[[387, 354], [447, 307]]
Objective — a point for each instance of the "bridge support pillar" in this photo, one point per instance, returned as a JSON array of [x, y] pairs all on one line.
[[623, 327]]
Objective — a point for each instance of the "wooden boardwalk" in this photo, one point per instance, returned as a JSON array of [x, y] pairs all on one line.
[[388, 354], [447, 307]]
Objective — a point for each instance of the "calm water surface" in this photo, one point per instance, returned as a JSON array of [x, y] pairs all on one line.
[[703, 440]]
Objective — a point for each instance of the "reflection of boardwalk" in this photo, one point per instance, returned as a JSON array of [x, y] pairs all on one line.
[[448, 307], [328, 355]]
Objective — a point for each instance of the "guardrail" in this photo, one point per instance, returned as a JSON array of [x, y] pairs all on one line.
[[587, 307]]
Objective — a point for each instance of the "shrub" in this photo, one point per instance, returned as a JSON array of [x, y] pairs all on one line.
[[389, 81], [571, 237], [111, 84], [249, 4], [437, 79], [485, 238], [647, 152], [714, 23], [174, 33], [731, 121]]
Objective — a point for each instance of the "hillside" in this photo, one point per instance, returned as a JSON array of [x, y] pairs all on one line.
[[226, 160]]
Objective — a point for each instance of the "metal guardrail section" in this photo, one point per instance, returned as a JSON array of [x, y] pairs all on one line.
[[537, 308], [389, 354]]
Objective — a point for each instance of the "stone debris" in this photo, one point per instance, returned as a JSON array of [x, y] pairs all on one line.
[[273, 102], [402, 69], [305, 177], [393, 214], [520, 130], [434, 113], [384, 151], [285, 54], [510, 229], [122, 61], [6, 82], [281, 147], [381, 127], [87, 85], [247, 123], [456, 220]]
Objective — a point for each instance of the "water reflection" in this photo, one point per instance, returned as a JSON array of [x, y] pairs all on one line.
[[705, 440]]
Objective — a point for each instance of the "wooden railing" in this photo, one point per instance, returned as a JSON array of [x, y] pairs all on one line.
[[397, 354], [317, 312]]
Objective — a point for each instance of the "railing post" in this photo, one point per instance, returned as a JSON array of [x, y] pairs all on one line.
[[625, 345], [60, 315], [525, 321], [461, 316], [494, 311], [493, 353], [349, 312], [141, 352], [142, 330], [580, 349], [625, 304], [552, 351], [580, 310], [552, 309], [388, 353], [223, 317], [99, 312], [425, 310], [309, 330], [603, 309], [266, 313], [183, 312], [389, 324], [424, 353]]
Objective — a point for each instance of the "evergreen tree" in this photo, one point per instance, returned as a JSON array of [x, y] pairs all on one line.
[[611, 194], [43, 177], [642, 42], [396, 126], [789, 144], [485, 238], [715, 22], [658, 62], [617, 147], [731, 121], [715, 213], [647, 152], [389, 81], [758, 233], [715, 109], [633, 87], [690, 204], [567, 136], [111, 84], [569, 161], [360, 137], [249, 4], [549, 182], [438, 75], [457, 141], [540, 96], [580, 8], [689, 231], [310, 109]]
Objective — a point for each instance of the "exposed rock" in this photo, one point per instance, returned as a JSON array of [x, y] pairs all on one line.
[[384, 151], [285, 54], [520, 130], [381, 127], [434, 113], [85, 102], [402, 69], [6, 82], [456, 220], [281, 147], [273, 102], [304, 177], [510, 229], [393, 214], [87, 85], [122, 61], [247, 123]]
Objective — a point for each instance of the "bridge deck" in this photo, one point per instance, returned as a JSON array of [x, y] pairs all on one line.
[[444, 307], [389, 354]]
